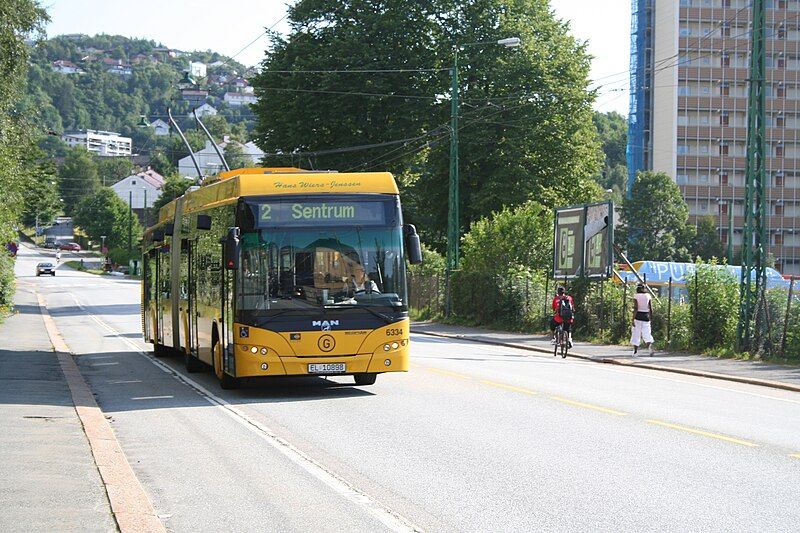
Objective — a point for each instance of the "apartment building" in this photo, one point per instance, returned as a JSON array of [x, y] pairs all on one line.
[[102, 143], [688, 112]]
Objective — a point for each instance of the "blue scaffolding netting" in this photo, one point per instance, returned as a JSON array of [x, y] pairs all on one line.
[[638, 102]]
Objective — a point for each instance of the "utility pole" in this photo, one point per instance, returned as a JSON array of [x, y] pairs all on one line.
[[752, 327], [130, 221], [145, 213], [452, 197]]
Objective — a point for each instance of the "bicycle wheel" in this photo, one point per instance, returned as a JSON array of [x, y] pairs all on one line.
[[557, 337], [564, 345]]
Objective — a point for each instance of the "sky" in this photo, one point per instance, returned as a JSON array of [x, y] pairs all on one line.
[[237, 29]]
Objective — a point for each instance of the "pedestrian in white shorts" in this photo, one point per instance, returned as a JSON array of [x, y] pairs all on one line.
[[642, 313]]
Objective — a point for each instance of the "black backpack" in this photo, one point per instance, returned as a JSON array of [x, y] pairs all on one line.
[[564, 309]]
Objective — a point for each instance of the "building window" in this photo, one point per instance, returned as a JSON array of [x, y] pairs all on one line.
[[723, 149], [780, 121], [703, 208], [683, 149], [724, 119], [723, 179], [781, 4], [685, 32], [725, 60], [779, 150], [781, 91], [133, 182], [725, 89], [703, 149], [779, 209], [726, 3], [781, 62], [779, 239], [683, 90], [703, 178], [723, 209], [781, 33], [726, 30], [682, 179], [778, 180], [724, 237]]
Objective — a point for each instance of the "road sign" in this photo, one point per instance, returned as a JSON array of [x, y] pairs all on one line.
[[568, 241], [583, 240], [598, 238]]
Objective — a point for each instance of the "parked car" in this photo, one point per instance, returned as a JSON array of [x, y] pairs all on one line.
[[45, 268], [71, 247]]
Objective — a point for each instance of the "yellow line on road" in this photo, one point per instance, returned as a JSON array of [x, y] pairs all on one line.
[[448, 373], [588, 406], [703, 433], [509, 387]]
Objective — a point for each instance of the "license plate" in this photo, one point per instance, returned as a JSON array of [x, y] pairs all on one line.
[[327, 368]]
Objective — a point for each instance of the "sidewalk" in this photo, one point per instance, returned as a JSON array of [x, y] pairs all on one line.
[[49, 478], [753, 372]]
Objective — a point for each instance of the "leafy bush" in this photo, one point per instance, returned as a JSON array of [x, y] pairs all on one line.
[[120, 256], [6, 279], [714, 297]]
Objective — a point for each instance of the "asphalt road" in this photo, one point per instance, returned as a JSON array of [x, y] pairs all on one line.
[[474, 438]]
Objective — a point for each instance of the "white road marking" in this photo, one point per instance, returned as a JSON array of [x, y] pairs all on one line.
[[392, 520], [152, 397]]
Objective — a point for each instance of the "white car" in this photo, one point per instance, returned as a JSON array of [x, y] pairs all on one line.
[[45, 268]]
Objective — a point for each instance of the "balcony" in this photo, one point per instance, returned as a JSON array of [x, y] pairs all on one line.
[[735, 16], [716, 43], [697, 162], [734, 74], [734, 133]]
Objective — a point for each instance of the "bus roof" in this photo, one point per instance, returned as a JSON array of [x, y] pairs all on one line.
[[227, 187]]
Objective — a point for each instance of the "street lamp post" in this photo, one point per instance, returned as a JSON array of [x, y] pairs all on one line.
[[453, 229], [145, 206]]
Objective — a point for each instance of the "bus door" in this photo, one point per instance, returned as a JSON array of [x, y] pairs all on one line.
[[193, 312], [184, 309], [164, 301], [226, 313]]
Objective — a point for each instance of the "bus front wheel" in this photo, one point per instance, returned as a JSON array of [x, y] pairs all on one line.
[[365, 379], [226, 381]]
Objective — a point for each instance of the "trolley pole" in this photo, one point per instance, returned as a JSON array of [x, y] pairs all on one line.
[[130, 221]]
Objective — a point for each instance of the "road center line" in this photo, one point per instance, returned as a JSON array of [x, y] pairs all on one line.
[[588, 406], [392, 520], [448, 373], [509, 387], [702, 433]]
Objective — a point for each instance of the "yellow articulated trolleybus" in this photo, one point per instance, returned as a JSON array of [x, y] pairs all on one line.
[[281, 272]]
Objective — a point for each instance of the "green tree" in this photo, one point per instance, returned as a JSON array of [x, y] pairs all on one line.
[[78, 178], [105, 213], [40, 199], [612, 129], [526, 121], [174, 186], [655, 220], [160, 163], [706, 244], [235, 156], [519, 237], [112, 169]]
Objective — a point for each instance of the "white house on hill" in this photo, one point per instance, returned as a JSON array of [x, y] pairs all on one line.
[[160, 127], [209, 162], [134, 186]]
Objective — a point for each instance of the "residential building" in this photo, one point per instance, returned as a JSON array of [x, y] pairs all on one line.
[[205, 110], [239, 99], [120, 70], [688, 111], [136, 187], [102, 143], [197, 69], [195, 97], [160, 127], [66, 67], [209, 162]]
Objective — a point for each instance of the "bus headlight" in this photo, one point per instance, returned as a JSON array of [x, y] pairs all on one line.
[[264, 351], [386, 347], [395, 346], [254, 349], [387, 362]]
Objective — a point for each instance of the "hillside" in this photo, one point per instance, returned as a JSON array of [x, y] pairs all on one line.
[[107, 82]]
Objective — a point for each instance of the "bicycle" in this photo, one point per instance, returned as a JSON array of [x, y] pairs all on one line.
[[562, 341]]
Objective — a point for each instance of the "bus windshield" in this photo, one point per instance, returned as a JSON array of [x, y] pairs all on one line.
[[321, 268]]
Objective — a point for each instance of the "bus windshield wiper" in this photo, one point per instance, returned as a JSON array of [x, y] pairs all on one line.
[[386, 318]]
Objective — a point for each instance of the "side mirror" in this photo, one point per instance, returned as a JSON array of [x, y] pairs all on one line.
[[158, 235], [203, 222], [231, 249], [412, 244]]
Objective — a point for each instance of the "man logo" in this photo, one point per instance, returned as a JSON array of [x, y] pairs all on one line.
[[325, 325]]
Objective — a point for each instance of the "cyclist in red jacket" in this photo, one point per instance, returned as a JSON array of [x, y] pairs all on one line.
[[563, 313]]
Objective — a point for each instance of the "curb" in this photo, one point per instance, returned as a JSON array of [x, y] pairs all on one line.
[[619, 362], [130, 504]]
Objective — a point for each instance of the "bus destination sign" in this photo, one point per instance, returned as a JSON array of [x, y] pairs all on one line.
[[327, 213]]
